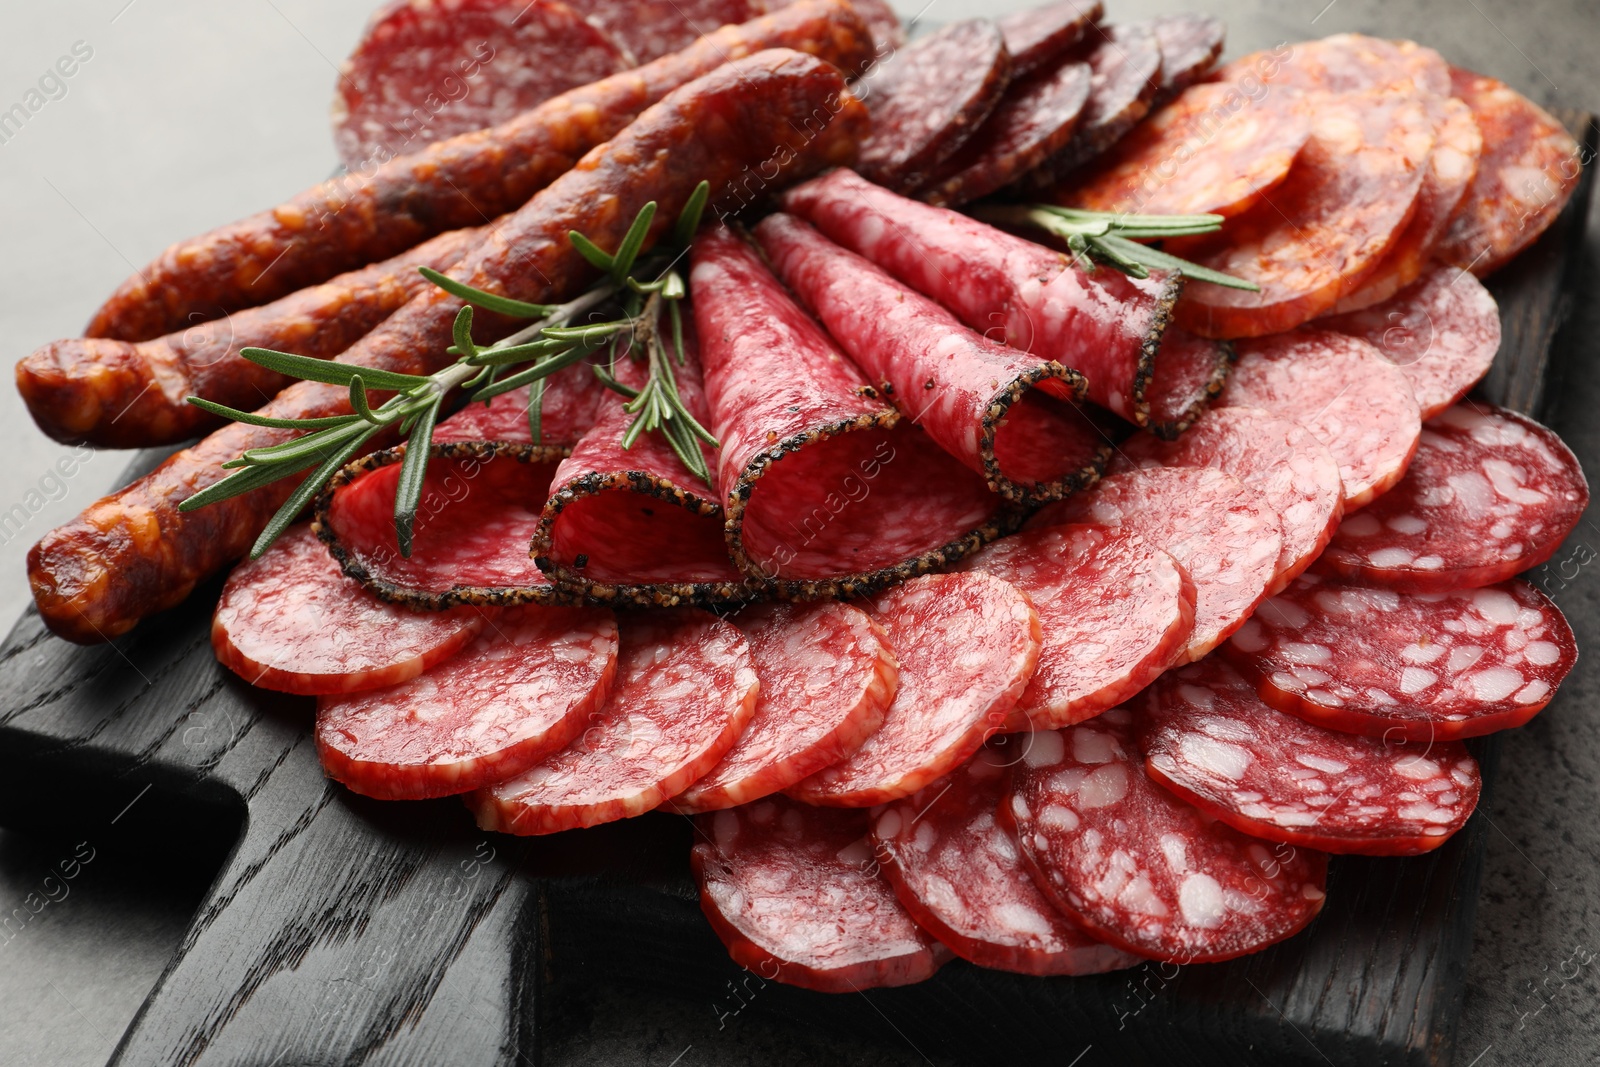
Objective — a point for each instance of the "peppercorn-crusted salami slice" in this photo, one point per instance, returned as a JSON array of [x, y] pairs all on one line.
[[571, 403], [1351, 399], [290, 621], [827, 676], [1425, 666], [524, 688], [1278, 458], [1489, 495], [795, 894], [649, 29], [1209, 739], [1223, 534], [958, 872], [1185, 380], [684, 692], [967, 645], [1037, 36], [1190, 45], [1529, 168], [1125, 63], [1345, 63], [1141, 869]]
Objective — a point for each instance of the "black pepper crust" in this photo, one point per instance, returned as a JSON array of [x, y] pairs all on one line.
[[1151, 345], [1172, 429], [995, 414]]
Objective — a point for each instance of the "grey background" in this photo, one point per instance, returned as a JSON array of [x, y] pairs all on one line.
[[192, 113]]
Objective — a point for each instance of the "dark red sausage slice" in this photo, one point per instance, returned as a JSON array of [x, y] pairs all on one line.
[[572, 402], [1489, 495], [1141, 869], [1125, 62], [1190, 44], [795, 894], [958, 872], [1209, 739], [1037, 36], [649, 29], [888, 34], [1427, 667], [524, 689], [1190, 374]]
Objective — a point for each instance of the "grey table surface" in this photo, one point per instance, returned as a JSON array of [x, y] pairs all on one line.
[[190, 113]]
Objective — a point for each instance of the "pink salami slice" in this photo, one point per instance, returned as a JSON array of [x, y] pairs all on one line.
[[1353, 400], [957, 870], [524, 689], [827, 676], [1490, 494], [1223, 534], [967, 645], [1114, 612], [1345, 63], [649, 29], [290, 621], [1037, 36], [684, 692], [1278, 458], [1209, 739], [1190, 45], [1185, 380], [795, 894], [1141, 869], [571, 404], [1425, 667]]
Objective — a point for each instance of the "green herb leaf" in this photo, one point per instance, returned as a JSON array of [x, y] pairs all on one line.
[[307, 489], [461, 331], [358, 402], [328, 371], [590, 251], [1152, 257], [632, 242], [408, 491], [503, 305], [689, 218], [250, 418]]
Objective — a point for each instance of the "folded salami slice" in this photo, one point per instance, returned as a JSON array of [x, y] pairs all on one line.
[[960, 875], [1425, 667], [1489, 495], [1037, 36], [684, 692], [827, 676], [1345, 63], [290, 621], [1223, 534], [1209, 739], [1278, 458], [1529, 168], [795, 894], [1190, 45], [571, 404], [1351, 399], [649, 29], [1190, 374], [1140, 869], [1105, 324], [524, 689], [827, 492], [967, 645], [1114, 612]]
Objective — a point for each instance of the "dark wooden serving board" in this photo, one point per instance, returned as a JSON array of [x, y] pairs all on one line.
[[344, 930]]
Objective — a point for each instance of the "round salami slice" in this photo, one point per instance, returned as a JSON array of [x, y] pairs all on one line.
[[1037, 36], [1351, 399], [290, 621], [649, 29], [1188, 376], [1424, 667], [426, 71], [1223, 534], [928, 97], [1208, 738], [1190, 45], [796, 895], [967, 645], [1489, 495], [888, 33], [1345, 63], [827, 676], [1278, 458], [1141, 869], [524, 689], [684, 692], [571, 403], [958, 872], [1114, 612], [1529, 168], [1125, 62]]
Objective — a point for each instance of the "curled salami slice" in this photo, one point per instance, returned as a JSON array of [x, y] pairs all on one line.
[[959, 873], [827, 676], [827, 492], [1278, 458], [684, 692], [1190, 45], [1425, 667], [967, 645], [1114, 612], [1529, 168], [1345, 63], [1442, 332], [1223, 534], [290, 621], [571, 404], [1125, 65], [1190, 374], [928, 97], [424, 72], [1489, 495], [1208, 738], [1352, 400], [1037, 36], [477, 513], [977, 398], [1105, 324], [1214, 149], [1141, 869], [524, 689], [796, 895], [649, 29]]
